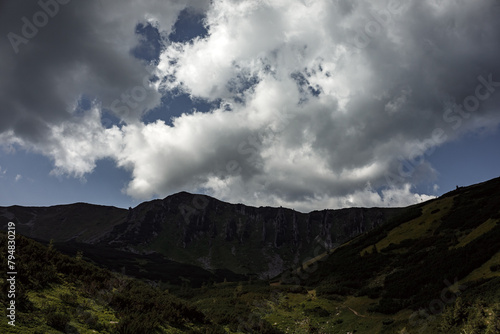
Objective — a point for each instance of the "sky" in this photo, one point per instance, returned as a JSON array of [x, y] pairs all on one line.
[[306, 104]]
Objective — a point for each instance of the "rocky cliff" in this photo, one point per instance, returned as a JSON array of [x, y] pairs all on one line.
[[201, 230]]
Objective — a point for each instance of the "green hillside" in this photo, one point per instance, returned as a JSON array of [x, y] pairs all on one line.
[[433, 268], [230, 239], [56, 293]]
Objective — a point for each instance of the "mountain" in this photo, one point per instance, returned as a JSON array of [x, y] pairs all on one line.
[[197, 230], [433, 267]]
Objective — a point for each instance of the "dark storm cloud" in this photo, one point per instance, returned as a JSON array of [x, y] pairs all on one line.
[[53, 52], [319, 100]]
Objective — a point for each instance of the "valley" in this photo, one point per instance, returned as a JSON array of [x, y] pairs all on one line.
[[428, 268]]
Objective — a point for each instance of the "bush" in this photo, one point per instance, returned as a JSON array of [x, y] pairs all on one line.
[[92, 321], [372, 293], [138, 299], [212, 329], [386, 306], [317, 311], [137, 324], [58, 320], [69, 298], [333, 289], [337, 298]]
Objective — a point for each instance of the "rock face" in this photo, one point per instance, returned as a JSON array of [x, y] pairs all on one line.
[[201, 230]]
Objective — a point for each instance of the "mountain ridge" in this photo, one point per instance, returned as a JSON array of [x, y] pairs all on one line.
[[203, 231], [200, 230], [433, 267]]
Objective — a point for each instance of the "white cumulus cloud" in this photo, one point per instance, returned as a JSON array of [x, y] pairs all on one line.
[[319, 103]]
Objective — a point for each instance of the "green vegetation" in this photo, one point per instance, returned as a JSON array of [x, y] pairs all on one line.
[[426, 270], [412, 261], [57, 293]]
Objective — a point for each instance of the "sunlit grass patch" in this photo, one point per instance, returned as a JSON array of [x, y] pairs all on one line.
[[84, 314], [477, 232], [425, 225], [485, 271]]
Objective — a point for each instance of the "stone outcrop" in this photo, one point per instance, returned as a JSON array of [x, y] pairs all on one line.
[[201, 230]]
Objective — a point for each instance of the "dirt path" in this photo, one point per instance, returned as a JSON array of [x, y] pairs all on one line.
[[356, 313]]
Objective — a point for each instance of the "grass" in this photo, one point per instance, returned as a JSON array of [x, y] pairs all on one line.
[[305, 313], [419, 254], [425, 225], [85, 314], [484, 272], [477, 232]]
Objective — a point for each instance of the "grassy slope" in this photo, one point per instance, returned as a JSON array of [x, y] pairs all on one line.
[[377, 282], [56, 293], [402, 265], [374, 284], [420, 227]]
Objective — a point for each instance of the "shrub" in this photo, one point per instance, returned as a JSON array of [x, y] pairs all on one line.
[[58, 320], [333, 289], [69, 298], [386, 306], [137, 324], [372, 293], [317, 311], [92, 321]]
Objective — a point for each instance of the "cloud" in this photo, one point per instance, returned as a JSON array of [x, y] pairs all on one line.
[[18, 177], [320, 103], [84, 50], [359, 112]]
